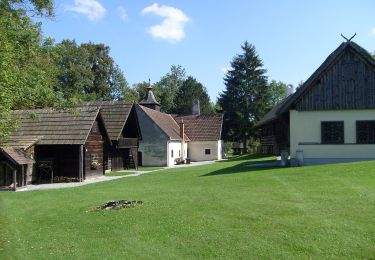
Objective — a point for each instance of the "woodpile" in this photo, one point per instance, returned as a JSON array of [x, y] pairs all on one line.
[[59, 179], [119, 204]]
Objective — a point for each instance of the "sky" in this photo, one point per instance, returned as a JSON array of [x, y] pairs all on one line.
[[146, 37]]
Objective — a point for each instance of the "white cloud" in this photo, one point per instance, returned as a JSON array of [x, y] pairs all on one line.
[[122, 13], [373, 30], [172, 27], [226, 69], [91, 8]]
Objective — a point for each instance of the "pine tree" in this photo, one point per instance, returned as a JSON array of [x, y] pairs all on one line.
[[246, 97]]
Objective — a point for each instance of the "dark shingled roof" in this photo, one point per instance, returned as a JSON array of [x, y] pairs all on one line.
[[16, 156], [23, 142], [115, 115], [324, 67], [150, 98], [273, 113], [287, 103], [202, 127], [56, 126], [165, 122]]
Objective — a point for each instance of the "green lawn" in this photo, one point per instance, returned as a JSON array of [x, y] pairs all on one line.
[[224, 210]]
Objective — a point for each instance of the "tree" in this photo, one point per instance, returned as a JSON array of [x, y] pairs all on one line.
[[25, 68], [119, 85], [168, 86], [75, 76], [191, 89], [279, 91], [37, 7], [246, 97], [87, 72]]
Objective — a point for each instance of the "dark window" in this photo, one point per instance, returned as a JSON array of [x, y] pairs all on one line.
[[365, 132], [333, 132], [172, 153], [207, 151], [179, 153]]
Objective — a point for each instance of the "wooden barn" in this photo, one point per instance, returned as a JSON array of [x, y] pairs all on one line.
[[123, 129], [331, 117], [16, 162], [70, 145]]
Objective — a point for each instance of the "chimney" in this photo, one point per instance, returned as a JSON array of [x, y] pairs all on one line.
[[196, 107], [182, 135]]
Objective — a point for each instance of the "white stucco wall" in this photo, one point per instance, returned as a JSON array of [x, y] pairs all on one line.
[[197, 150], [154, 143], [305, 134], [176, 147]]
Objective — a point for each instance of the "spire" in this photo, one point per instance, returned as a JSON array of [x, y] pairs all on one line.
[[150, 100]]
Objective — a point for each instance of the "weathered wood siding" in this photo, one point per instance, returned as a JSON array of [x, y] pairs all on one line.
[[94, 148], [348, 84]]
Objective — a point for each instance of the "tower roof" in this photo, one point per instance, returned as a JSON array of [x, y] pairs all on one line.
[[149, 98]]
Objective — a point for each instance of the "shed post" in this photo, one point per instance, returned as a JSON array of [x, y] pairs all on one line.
[[15, 179], [80, 163]]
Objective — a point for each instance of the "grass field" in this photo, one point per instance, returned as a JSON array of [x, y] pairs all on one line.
[[223, 210]]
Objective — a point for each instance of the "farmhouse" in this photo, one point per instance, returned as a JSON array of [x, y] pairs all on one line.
[[204, 132], [163, 139], [60, 143], [331, 117], [170, 139]]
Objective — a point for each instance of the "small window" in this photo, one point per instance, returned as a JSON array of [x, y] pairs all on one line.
[[333, 132], [171, 153], [207, 151], [365, 132]]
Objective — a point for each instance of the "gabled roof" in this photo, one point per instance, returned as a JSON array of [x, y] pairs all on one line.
[[324, 67], [202, 127], [115, 115], [23, 142], [16, 156], [57, 126], [274, 112], [165, 122], [309, 83]]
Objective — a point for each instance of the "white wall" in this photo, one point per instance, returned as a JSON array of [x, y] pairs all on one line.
[[197, 150], [176, 147], [154, 142], [305, 134]]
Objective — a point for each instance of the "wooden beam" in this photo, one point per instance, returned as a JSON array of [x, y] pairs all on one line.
[[15, 179], [80, 177]]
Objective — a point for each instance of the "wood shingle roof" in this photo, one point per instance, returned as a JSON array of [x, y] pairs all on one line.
[[115, 115], [16, 156], [56, 126]]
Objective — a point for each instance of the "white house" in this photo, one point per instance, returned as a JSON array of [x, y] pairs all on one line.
[[164, 135], [331, 117]]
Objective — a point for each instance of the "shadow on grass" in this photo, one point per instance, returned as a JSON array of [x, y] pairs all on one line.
[[256, 163], [244, 157]]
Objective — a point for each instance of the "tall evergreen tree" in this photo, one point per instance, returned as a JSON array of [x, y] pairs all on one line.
[[246, 97], [192, 89]]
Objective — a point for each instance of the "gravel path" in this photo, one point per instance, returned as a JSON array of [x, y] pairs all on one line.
[[52, 186]]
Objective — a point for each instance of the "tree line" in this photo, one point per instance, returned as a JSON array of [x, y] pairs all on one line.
[[37, 72]]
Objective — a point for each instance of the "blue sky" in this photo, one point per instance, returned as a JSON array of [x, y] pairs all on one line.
[[146, 37]]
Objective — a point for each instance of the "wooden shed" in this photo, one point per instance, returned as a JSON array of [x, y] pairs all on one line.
[[72, 142], [123, 129]]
